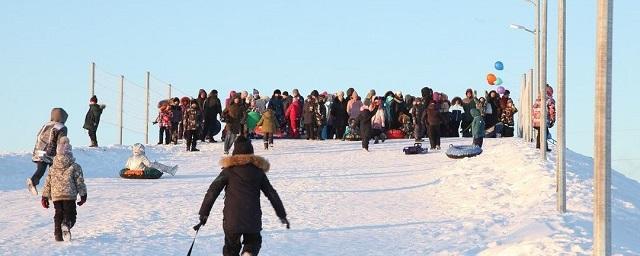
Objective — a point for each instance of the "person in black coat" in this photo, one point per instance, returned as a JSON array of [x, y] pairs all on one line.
[[243, 176], [339, 114], [92, 119], [212, 108], [364, 120]]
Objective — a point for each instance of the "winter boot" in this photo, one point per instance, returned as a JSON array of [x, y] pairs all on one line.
[[165, 168], [266, 146], [57, 234], [66, 232], [32, 188]]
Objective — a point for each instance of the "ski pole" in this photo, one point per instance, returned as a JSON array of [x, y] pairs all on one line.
[[197, 228]]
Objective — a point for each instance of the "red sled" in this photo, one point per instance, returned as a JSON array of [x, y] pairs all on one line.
[[395, 134]]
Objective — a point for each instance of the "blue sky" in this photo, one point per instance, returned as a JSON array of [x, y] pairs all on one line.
[[47, 46]]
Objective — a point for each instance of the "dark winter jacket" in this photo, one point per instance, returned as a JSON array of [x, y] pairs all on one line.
[[92, 119], [339, 112], [310, 112], [176, 114], [477, 125], [276, 104], [212, 107], [242, 178], [433, 114], [364, 119], [47, 138], [235, 116]]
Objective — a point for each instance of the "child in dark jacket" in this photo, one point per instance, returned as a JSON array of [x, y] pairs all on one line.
[[63, 185], [477, 127], [176, 118], [243, 176]]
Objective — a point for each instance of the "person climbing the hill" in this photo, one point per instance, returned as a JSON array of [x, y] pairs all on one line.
[[243, 177], [45, 148], [92, 120], [62, 186]]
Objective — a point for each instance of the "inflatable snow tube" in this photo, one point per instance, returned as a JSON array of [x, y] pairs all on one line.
[[395, 134], [462, 151], [252, 119], [147, 173], [277, 134], [217, 127]]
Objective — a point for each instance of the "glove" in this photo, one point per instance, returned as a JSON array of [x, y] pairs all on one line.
[[83, 199], [203, 220], [45, 202], [285, 221]]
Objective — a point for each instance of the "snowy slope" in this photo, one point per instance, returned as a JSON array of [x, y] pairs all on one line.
[[340, 201]]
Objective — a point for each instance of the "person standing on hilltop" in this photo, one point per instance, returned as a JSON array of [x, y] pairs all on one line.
[[92, 119]]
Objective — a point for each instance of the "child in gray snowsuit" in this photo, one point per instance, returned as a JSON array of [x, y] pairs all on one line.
[[63, 185]]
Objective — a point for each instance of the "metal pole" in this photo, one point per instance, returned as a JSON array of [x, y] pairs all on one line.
[[561, 163], [529, 107], [602, 141], [121, 107], [146, 110], [169, 91], [535, 78], [92, 82], [543, 79], [523, 87]]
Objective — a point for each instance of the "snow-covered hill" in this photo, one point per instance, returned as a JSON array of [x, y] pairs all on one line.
[[340, 201]]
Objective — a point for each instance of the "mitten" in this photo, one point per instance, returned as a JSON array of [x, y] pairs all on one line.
[[45, 202], [83, 199], [285, 221]]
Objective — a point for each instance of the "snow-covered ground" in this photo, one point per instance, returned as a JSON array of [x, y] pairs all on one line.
[[339, 199]]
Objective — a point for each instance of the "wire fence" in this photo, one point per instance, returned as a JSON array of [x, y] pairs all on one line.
[[112, 90]]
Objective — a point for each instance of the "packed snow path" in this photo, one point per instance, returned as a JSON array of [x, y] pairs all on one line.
[[340, 200]]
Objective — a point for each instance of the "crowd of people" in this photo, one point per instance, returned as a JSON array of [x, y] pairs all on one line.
[[340, 115]]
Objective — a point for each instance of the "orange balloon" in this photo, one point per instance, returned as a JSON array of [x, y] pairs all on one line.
[[491, 79]]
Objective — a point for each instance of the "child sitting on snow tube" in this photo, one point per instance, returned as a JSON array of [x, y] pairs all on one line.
[[139, 167]]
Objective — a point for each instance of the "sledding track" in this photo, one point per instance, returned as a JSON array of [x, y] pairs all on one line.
[[340, 201]]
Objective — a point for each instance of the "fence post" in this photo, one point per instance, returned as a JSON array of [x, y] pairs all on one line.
[[530, 105], [146, 109], [543, 79], [602, 140], [561, 163], [92, 81], [121, 107], [169, 88]]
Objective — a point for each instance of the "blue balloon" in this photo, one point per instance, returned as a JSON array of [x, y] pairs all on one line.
[[499, 65]]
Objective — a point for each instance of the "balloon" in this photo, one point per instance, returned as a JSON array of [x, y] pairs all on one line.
[[498, 81], [500, 90], [499, 65], [491, 79]]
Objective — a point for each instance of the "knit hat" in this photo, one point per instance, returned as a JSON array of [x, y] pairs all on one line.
[[277, 91], [242, 146], [64, 146], [315, 93], [255, 92], [93, 99]]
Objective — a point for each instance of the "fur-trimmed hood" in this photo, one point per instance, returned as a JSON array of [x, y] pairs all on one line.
[[238, 160]]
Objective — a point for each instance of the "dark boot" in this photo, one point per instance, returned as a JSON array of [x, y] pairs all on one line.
[[266, 146], [58, 235]]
